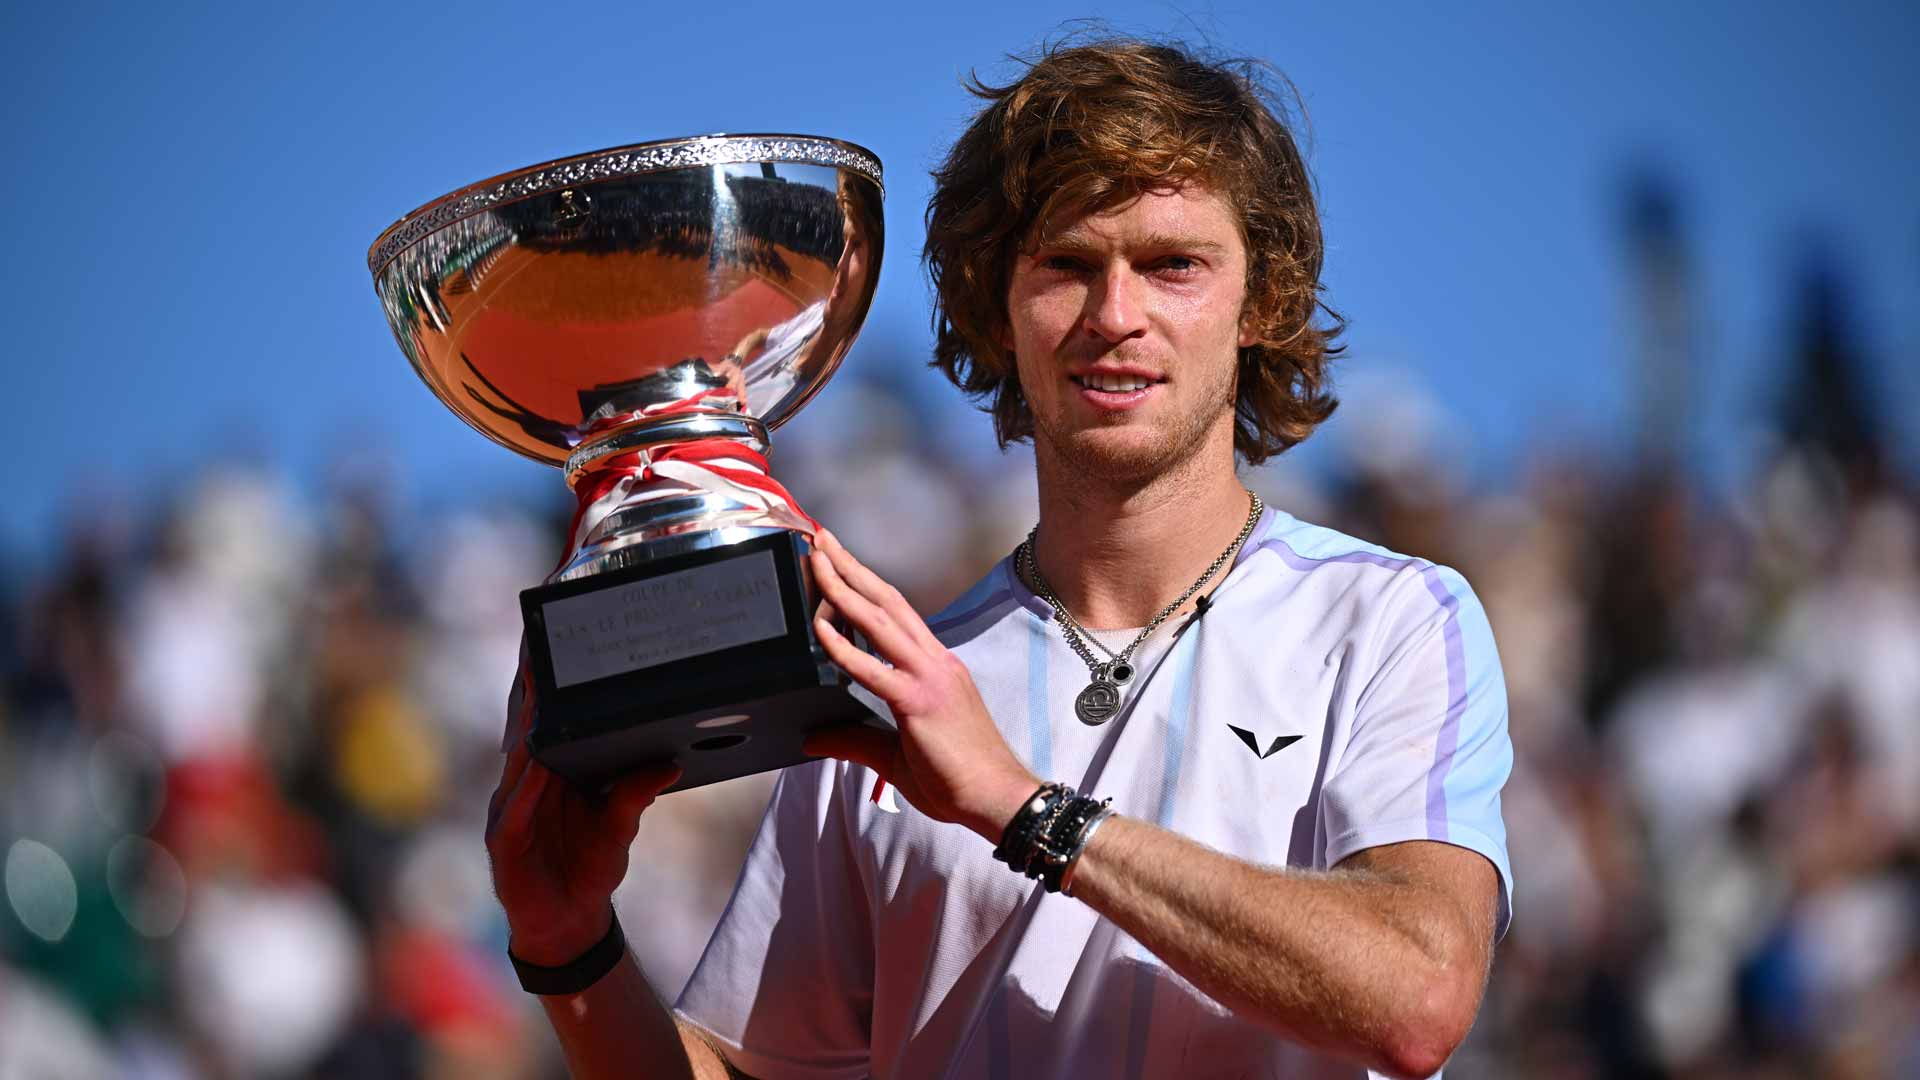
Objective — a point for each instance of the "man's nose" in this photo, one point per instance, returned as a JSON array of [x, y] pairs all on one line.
[[1114, 308]]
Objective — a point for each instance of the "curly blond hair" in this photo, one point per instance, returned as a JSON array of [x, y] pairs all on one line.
[[1094, 125]]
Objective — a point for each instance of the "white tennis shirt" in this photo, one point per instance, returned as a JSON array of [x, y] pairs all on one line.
[[865, 942]]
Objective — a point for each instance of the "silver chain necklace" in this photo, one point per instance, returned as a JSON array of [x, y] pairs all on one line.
[[1101, 699]]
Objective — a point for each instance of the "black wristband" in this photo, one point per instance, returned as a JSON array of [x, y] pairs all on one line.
[[1080, 842], [1022, 834], [1060, 842], [1048, 833], [577, 974]]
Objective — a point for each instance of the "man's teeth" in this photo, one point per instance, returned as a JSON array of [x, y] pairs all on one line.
[[1113, 384]]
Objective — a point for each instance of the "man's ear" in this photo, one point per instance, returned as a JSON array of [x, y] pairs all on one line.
[[1249, 336]]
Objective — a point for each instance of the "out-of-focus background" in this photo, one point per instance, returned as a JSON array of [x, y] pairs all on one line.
[[1635, 345]]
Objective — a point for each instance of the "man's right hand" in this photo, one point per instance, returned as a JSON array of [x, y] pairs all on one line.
[[557, 853]]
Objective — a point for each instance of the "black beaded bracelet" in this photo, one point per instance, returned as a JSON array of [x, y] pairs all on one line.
[[1065, 837], [1080, 846], [577, 974], [1023, 833], [1047, 834]]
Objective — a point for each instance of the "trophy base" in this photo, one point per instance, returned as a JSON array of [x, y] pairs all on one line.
[[706, 659]]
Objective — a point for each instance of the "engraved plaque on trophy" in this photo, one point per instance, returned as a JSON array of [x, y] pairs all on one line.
[[642, 318]]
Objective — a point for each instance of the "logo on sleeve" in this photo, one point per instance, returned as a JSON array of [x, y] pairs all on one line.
[[1280, 742]]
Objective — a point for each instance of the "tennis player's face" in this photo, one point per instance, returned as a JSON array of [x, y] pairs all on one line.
[[1125, 328]]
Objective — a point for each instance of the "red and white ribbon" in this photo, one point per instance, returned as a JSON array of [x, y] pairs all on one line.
[[720, 466]]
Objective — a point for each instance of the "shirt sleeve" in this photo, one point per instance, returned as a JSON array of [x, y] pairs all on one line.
[[1427, 750], [785, 986]]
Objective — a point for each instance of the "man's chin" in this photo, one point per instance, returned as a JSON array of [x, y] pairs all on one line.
[[1117, 454]]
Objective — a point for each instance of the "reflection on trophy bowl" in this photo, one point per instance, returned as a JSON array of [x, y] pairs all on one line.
[[642, 317]]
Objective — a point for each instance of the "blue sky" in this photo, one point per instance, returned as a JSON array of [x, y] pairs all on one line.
[[191, 195]]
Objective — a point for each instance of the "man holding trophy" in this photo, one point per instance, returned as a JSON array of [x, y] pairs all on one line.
[[1185, 786]]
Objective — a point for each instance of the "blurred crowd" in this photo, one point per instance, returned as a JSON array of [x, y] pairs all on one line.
[[247, 739]]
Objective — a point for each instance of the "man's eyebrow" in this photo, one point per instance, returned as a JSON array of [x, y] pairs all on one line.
[[1075, 243], [1179, 242]]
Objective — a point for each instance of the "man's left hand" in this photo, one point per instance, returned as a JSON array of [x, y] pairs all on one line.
[[946, 757]]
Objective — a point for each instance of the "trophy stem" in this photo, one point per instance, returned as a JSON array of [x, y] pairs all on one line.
[[669, 486], [651, 432]]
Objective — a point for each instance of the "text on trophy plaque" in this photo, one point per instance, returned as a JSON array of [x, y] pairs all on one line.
[[664, 618]]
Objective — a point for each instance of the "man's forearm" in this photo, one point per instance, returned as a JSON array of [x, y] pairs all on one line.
[[618, 1028], [1375, 966]]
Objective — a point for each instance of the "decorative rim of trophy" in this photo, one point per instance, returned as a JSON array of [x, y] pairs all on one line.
[[631, 160]]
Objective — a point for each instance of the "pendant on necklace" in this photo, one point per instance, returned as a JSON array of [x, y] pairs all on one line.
[[1096, 704]]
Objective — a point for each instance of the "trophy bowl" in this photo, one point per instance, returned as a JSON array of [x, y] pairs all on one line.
[[642, 317]]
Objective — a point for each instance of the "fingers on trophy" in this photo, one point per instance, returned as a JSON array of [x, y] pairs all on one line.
[[643, 318]]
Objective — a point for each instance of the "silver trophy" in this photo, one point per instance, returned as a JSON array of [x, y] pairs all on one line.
[[642, 318]]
